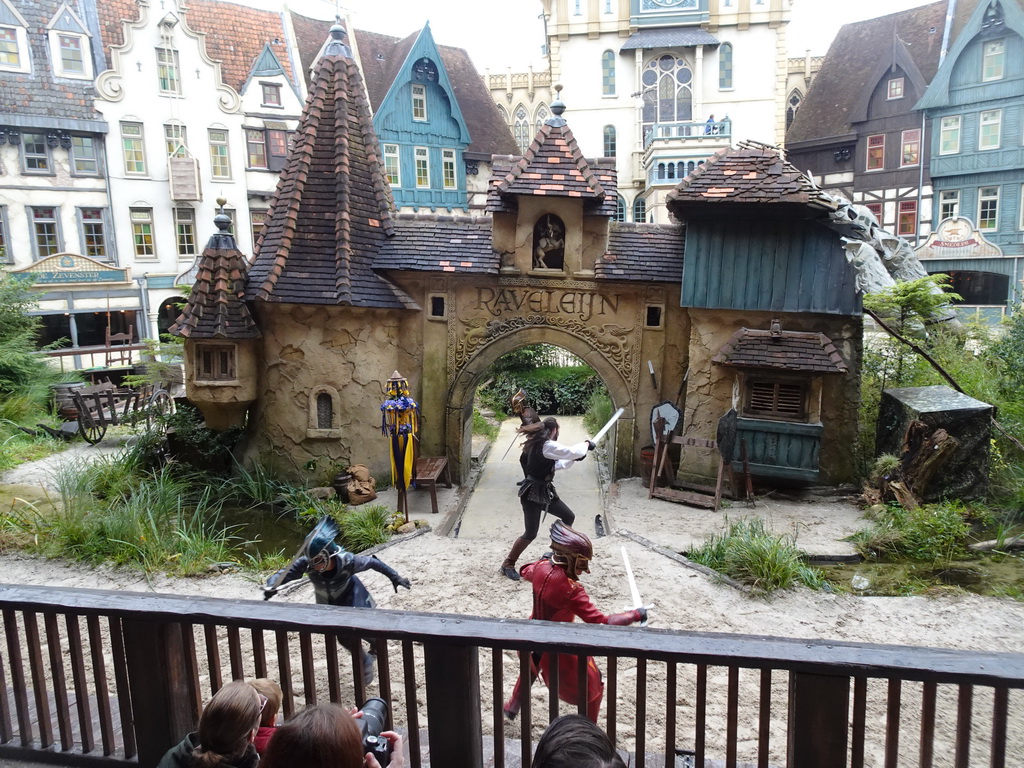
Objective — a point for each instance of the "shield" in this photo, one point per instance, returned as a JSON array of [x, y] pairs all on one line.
[[673, 418]]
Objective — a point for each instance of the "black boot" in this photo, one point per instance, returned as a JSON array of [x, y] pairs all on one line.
[[508, 568], [369, 665]]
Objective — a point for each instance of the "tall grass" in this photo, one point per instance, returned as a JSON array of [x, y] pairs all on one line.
[[930, 533], [749, 553], [113, 511]]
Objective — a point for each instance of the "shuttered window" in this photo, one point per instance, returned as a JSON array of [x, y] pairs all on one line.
[[776, 398], [215, 362]]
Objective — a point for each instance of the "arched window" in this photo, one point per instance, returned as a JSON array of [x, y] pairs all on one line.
[[689, 167], [793, 106], [620, 209], [661, 170], [324, 411], [680, 169], [671, 170], [725, 66], [542, 115], [666, 91], [608, 73], [609, 141], [521, 128], [640, 210]]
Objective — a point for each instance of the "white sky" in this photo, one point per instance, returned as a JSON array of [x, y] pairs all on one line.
[[486, 27]]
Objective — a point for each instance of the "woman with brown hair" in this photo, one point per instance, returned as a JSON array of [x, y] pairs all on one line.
[[226, 731], [325, 736], [542, 456]]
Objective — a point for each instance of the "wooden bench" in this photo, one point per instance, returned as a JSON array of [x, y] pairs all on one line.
[[426, 474]]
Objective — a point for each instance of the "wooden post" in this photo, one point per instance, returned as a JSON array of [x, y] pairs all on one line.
[[453, 688], [159, 686], [818, 720]]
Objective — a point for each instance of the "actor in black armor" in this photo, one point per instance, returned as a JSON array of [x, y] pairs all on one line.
[[332, 571], [542, 456]]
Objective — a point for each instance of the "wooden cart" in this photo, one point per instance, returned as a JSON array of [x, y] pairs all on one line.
[[104, 404]]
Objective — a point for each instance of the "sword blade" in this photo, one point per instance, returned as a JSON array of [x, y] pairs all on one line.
[[611, 422], [637, 602]]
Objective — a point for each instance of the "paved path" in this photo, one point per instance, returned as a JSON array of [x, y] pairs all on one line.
[[493, 510]]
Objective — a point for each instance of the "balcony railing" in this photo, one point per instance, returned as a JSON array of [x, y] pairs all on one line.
[[690, 133], [92, 677]]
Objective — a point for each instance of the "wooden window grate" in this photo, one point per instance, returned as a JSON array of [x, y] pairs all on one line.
[[776, 398]]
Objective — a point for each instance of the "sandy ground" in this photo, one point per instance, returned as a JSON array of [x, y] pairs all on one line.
[[459, 575]]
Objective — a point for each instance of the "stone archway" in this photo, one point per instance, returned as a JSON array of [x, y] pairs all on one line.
[[459, 407]]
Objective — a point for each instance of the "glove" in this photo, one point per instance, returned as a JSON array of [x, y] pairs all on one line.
[[591, 445], [642, 613], [401, 581], [269, 592]]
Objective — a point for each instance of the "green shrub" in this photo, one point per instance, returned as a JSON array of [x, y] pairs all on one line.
[[562, 391], [752, 555], [929, 533], [482, 426]]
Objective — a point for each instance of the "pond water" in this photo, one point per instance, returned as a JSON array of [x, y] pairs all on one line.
[[1000, 575], [266, 529]]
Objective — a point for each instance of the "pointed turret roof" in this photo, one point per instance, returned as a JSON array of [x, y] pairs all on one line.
[[216, 307], [751, 172], [552, 165], [331, 212]]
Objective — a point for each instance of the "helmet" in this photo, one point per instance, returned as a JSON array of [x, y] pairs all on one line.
[[320, 544], [571, 549]]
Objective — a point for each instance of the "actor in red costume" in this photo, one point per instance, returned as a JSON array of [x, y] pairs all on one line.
[[559, 596]]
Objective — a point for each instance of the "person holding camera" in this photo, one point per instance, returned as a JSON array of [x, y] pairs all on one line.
[[326, 736], [572, 741], [332, 571], [559, 596], [542, 456], [226, 732]]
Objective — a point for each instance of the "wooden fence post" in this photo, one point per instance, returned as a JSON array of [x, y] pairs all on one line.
[[158, 682], [819, 708], [453, 695]]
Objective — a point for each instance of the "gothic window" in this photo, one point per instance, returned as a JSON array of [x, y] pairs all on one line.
[[608, 73], [793, 106], [549, 243], [542, 116], [609, 141], [521, 129], [667, 97]]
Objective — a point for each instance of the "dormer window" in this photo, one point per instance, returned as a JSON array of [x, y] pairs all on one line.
[[895, 90], [419, 103], [271, 94], [68, 39], [14, 49]]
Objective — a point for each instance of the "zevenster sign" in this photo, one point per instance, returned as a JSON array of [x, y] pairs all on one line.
[[70, 268]]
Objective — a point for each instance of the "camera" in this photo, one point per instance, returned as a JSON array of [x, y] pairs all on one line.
[[371, 723]]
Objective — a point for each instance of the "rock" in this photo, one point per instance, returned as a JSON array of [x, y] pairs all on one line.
[[325, 492], [407, 527]]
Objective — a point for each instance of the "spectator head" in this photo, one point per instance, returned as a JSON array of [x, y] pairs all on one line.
[[273, 694], [573, 741], [322, 736], [228, 725]]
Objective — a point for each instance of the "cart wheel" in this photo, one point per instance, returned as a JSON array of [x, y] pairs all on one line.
[[160, 404], [91, 431]]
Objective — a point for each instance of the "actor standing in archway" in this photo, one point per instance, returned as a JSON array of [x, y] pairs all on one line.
[[559, 596], [332, 571], [542, 456]]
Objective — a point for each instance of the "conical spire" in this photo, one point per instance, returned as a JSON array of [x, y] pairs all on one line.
[[216, 307], [332, 209]]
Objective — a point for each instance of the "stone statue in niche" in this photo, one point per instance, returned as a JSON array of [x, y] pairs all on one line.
[[549, 243]]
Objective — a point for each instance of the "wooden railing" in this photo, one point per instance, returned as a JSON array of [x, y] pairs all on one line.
[[94, 677]]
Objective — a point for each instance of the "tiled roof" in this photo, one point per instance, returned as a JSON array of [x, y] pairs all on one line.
[[235, 35], [853, 59], [782, 351], [552, 165], [381, 57], [647, 252], [216, 307], [37, 99], [669, 37], [750, 173], [331, 213], [438, 243]]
